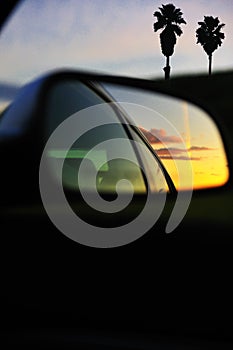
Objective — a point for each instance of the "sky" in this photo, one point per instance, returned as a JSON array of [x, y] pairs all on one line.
[[113, 36]]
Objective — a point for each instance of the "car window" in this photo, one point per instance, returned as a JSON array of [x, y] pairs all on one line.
[[97, 146]]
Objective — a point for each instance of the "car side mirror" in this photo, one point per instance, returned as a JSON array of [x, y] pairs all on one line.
[[139, 138]]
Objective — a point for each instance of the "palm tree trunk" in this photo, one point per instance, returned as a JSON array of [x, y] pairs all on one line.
[[167, 68], [210, 63]]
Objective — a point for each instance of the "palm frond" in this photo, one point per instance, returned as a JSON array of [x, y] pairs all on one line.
[[158, 25], [157, 14], [180, 21], [202, 24], [177, 29], [217, 30]]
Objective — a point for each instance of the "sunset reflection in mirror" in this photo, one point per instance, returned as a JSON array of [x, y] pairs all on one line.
[[182, 134]]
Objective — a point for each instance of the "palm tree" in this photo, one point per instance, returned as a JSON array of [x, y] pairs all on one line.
[[168, 18], [209, 35]]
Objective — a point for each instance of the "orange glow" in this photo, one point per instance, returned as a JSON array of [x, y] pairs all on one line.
[[196, 159], [209, 169], [184, 136]]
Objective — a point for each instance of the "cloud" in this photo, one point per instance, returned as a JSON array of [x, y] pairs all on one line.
[[159, 136], [169, 151], [175, 153], [202, 148], [180, 157]]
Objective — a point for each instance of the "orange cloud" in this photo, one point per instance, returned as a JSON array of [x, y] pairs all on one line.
[[202, 148], [179, 157], [176, 153], [160, 136]]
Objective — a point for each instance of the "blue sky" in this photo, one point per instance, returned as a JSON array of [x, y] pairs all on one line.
[[112, 36]]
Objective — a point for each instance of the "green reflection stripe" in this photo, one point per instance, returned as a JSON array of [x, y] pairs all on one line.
[[99, 158], [72, 153]]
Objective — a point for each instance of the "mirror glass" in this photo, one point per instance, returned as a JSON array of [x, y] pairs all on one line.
[[183, 136]]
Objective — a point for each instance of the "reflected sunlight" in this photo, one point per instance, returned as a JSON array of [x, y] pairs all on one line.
[[182, 134]]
